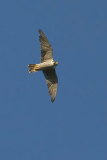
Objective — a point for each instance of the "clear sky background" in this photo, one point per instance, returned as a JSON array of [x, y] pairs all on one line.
[[74, 127]]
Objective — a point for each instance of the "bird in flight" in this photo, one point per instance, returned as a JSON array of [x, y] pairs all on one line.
[[47, 65]]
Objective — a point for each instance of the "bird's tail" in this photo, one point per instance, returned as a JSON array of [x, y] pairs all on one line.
[[33, 68]]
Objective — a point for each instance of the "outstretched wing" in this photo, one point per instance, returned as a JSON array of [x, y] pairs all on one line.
[[46, 49], [52, 81]]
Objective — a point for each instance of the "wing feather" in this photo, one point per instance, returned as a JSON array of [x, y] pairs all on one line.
[[52, 81], [46, 49]]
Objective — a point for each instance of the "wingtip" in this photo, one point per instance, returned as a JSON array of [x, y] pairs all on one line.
[[39, 30], [52, 100]]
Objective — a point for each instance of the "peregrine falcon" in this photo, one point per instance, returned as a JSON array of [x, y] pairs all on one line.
[[47, 65]]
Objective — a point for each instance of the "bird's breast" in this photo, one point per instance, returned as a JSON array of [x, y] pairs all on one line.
[[46, 64]]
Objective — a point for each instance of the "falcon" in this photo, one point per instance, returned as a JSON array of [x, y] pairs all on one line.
[[47, 65]]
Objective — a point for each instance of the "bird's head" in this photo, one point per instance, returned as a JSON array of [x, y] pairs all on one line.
[[55, 63]]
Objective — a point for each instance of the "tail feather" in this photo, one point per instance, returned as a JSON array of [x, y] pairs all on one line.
[[33, 68]]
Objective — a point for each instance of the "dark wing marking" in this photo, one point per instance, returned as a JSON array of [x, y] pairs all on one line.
[[46, 49], [52, 81]]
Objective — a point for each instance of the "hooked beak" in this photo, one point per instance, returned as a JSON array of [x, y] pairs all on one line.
[[56, 63]]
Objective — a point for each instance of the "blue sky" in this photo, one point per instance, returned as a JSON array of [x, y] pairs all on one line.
[[75, 125]]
